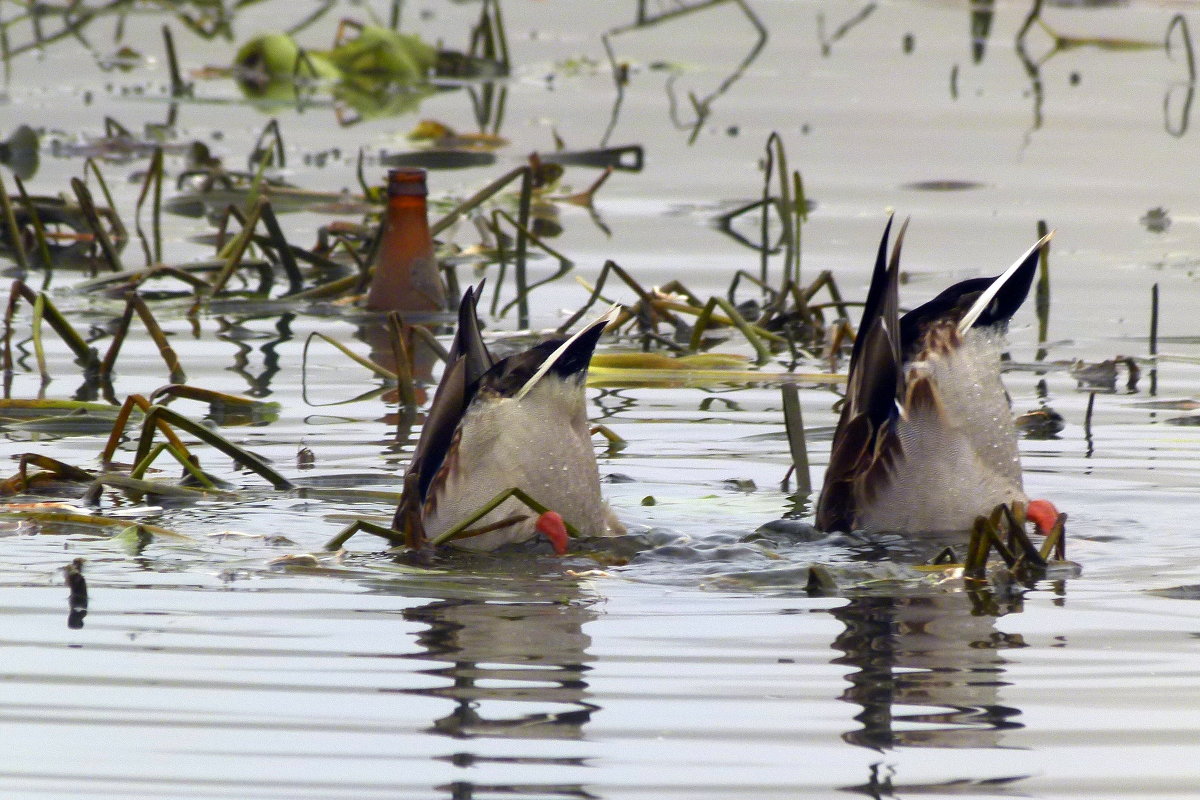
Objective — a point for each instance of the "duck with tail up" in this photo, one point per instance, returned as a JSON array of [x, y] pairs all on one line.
[[515, 423], [926, 441]]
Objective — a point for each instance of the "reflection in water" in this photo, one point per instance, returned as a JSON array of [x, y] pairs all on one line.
[[237, 333], [982, 12], [384, 341], [827, 42], [701, 106], [77, 602], [1177, 37], [514, 670], [938, 655]]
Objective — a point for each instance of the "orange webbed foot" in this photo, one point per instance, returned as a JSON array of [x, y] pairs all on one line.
[[1043, 515], [551, 525]]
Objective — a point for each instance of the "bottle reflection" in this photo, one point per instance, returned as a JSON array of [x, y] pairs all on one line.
[[938, 657]]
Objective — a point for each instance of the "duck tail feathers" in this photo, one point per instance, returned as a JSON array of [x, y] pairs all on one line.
[[1001, 299], [468, 341], [873, 307], [572, 356]]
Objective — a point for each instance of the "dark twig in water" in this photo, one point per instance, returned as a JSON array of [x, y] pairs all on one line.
[[1154, 340], [394, 538], [179, 88], [44, 308], [794, 424], [135, 304], [701, 106], [401, 337], [1042, 295], [565, 264], [77, 602], [14, 230], [1154, 320], [88, 206], [237, 248], [154, 178], [1087, 425], [35, 219], [283, 250], [842, 30]]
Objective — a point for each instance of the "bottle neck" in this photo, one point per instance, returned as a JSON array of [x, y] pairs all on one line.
[[406, 275], [408, 210]]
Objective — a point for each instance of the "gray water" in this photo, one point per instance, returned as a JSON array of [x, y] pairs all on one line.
[[207, 668]]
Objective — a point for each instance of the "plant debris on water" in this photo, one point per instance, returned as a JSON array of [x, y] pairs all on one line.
[[669, 334]]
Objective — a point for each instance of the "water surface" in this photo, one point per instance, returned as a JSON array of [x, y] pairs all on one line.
[[204, 669]]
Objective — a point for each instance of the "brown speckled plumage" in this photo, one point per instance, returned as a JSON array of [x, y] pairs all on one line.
[[925, 441], [519, 422]]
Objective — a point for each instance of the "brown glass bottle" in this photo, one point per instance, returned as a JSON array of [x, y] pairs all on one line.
[[406, 275]]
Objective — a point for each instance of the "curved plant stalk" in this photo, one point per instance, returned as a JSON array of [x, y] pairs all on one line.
[[791, 261], [643, 295], [1004, 531], [284, 251], [21, 408], [114, 437], [88, 206], [59, 468], [752, 335], [179, 87], [362, 361], [139, 486], [185, 460], [14, 230], [35, 219], [401, 335], [90, 163], [39, 305], [463, 529], [136, 277], [564, 264], [44, 307], [135, 304], [394, 538], [210, 396], [615, 442], [156, 413], [1055, 544], [153, 180], [334, 288], [60, 516], [797, 445], [237, 248], [480, 197], [707, 314], [50, 469]]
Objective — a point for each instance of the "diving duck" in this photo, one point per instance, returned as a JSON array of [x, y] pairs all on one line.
[[926, 440], [515, 423]]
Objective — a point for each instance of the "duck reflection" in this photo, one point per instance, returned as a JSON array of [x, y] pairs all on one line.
[[939, 657], [497, 654]]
